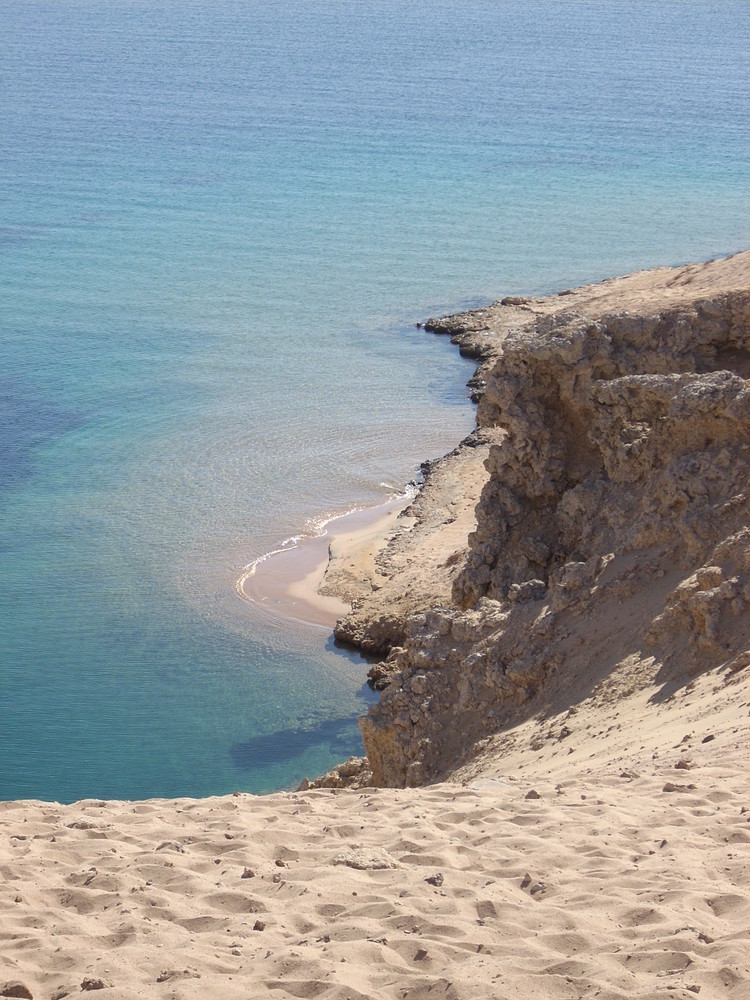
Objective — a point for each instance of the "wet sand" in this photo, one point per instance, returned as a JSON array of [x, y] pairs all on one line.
[[286, 583]]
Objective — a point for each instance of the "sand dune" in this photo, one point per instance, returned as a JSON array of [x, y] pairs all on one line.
[[597, 854]]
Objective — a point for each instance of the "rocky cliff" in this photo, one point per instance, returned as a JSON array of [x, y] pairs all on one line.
[[612, 544]]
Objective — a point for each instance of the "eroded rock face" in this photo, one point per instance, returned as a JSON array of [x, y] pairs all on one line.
[[353, 773], [618, 433], [613, 527]]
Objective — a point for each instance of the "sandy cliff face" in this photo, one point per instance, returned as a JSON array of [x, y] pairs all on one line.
[[612, 537]]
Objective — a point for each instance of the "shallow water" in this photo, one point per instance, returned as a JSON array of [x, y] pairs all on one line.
[[219, 225]]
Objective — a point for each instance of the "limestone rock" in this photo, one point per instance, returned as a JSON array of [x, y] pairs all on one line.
[[372, 859], [612, 529], [353, 773]]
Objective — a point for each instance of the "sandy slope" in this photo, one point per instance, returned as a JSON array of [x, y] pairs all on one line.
[[608, 884]]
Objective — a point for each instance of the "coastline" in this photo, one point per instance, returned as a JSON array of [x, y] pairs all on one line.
[[409, 567], [593, 404], [287, 582], [359, 585], [566, 643]]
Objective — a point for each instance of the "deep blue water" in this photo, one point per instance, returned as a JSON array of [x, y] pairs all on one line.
[[219, 224]]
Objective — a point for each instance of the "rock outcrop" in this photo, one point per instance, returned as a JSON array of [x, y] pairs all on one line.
[[419, 563], [612, 536]]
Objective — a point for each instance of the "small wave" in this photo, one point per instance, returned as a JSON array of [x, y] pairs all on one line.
[[293, 541], [317, 527], [407, 492], [288, 545]]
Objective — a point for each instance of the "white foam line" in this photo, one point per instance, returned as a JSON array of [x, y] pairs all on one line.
[[317, 529]]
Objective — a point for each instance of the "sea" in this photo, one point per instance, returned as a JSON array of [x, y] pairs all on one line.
[[220, 224]]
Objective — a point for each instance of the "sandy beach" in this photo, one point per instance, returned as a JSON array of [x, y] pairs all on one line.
[[288, 583], [564, 665]]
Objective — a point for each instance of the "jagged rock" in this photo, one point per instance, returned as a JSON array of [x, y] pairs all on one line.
[[380, 675], [612, 526], [583, 418], [707, 606], [353, 773]]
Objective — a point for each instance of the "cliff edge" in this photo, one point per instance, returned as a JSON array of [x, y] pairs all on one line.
[[611, 544]]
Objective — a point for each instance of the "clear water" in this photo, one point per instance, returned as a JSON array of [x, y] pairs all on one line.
[[219, 223]]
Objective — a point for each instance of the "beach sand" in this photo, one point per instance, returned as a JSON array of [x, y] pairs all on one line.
[[287, 584], [596, 854]]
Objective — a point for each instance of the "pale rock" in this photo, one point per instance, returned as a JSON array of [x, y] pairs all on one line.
[[612, 526]]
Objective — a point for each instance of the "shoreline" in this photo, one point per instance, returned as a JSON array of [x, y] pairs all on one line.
[[337, 585], [566, 679], [593, 546], [286, 582]]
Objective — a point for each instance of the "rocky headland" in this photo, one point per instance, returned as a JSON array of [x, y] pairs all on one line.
[[610, 544]]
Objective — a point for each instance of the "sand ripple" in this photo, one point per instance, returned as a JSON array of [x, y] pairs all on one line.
[[607, 884]]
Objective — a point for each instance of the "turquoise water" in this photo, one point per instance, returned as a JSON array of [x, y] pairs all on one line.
[[219, 224]]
